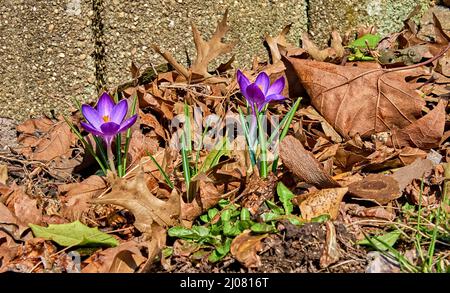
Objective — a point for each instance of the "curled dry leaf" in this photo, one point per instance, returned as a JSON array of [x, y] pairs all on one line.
[[8, 249], [325, 201], [424, 133], [257, 191], [154, 247], [23, 207], [245, 248], [303, 164], [207, 197], [378, 187], [53, 144], [330, 253], [78, 195], [135, 196], [385, 188], [125, 258], [150, 120], [358, 100], [329, 131]]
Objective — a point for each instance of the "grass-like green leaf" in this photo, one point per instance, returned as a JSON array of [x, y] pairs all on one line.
[[381, 242], [74, 234], [247, 137], [161, 170], [128, 136], [87, 145]]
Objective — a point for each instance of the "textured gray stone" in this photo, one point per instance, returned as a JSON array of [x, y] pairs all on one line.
[[387, 15], [45, 55], [132, 26]]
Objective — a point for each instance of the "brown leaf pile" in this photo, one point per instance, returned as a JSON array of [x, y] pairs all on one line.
[[367, 138]]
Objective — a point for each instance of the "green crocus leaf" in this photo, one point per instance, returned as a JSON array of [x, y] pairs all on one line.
[[285, 196], [74, 234]]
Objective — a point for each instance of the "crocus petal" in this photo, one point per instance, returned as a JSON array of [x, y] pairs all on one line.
[[275, 98], [110, 128], [92, 116], [277, 87], [119, 111], [263, 81], [256, 95], [105, 105], [243, 81], [91, 129], [127, 123]]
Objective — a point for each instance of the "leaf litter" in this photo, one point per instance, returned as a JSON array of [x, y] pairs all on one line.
[[363, 169]]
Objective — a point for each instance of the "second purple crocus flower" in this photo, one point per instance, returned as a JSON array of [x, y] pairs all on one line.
[[260, 92]]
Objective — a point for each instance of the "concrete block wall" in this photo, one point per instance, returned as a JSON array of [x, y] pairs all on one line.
[[53, 50], [131, 27], [45, 55]]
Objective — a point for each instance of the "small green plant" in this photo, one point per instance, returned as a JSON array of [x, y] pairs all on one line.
[[217, 228], [361, 48]]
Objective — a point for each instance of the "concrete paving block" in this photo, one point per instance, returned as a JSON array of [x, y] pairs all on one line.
[[45, 56]]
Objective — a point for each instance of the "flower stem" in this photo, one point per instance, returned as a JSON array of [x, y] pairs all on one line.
[[110, 156]]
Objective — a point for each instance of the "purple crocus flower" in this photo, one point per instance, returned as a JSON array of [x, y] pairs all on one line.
[[108, 119], [260, 92]]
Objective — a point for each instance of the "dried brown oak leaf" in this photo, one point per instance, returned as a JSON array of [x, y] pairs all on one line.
[[78, 195], [54, 143], [325, 201], [358, 100], [206, 52], [209, 50], [274, 42], [335, 53], [245, 248], [303, 164], [147, 209], [125, 258], [424, 133]]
